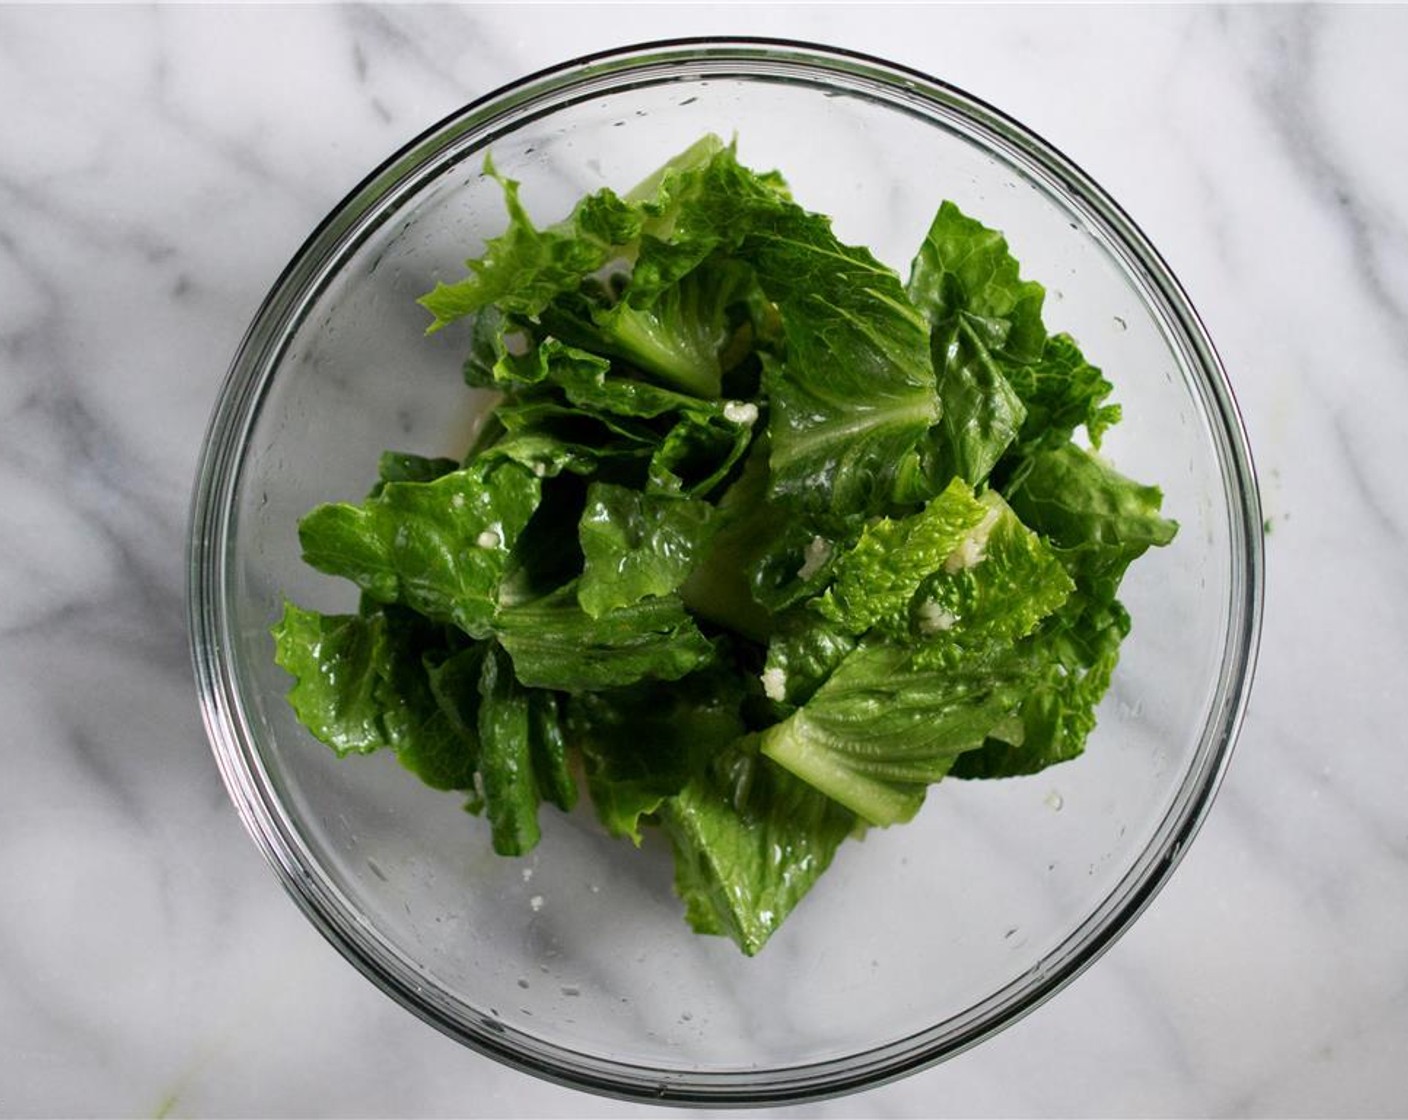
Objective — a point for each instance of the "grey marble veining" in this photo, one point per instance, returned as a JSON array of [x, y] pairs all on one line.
[[160, 165]]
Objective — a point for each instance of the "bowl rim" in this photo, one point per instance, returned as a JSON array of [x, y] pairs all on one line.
[[208, 559]]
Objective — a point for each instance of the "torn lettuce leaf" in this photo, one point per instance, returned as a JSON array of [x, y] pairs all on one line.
[[878, 576], [856, 389], [698, 454], [547, 740], [556, 644], [547, 436], [749, 840], [361, 685], [673, 323], [337, 662], [1007, 388], [506, 353], [439, 548], [887, 724], [636, 546], [982, 412], [642, 743], [1099, 520], [1061, 393], [803, 651], [720, 588], [405, 466], [1077, 652], [983, 317], [679, 335], [453, 676], [964, 272], [989, 594], [523, 269], [595, 389], [506, 769]]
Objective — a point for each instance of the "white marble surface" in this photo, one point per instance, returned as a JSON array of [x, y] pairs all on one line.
[[157, 169]]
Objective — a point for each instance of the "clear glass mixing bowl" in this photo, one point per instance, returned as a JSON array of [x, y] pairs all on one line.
[[574, 963]]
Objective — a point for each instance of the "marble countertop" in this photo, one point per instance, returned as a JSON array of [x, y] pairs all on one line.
[[159, 166]]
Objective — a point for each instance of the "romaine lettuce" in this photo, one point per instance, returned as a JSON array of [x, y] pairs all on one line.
[[759, 540]]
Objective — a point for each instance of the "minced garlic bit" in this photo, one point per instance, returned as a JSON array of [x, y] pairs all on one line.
[[488, 539], [818, 552], [971, 552], [741, 412], [517, 343], [775, 683], [933, 618]]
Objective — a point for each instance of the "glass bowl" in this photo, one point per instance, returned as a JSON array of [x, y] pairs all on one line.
[[574, 963]]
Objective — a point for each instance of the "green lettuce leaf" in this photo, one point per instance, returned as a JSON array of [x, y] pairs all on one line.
[[596, 390], [600, 415], [547, 741], [437, 547], [1061, 393], [361, 685], [856, 388], [547, 435], [983, 318], [454, 682], [555, 644], [982, 412], [427, 741], [678, 334], [876, 579], [803, 651], [1077, 652], [719, 587], [992, 594], [763, 557], [405, 466], [572, 275], [964, 272], [636, 545], [886, 725], [507, 353], [642, 743], [506, 757], [750, 840], [1099, 520], [523, 269], [698, 454], [337, 662]]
